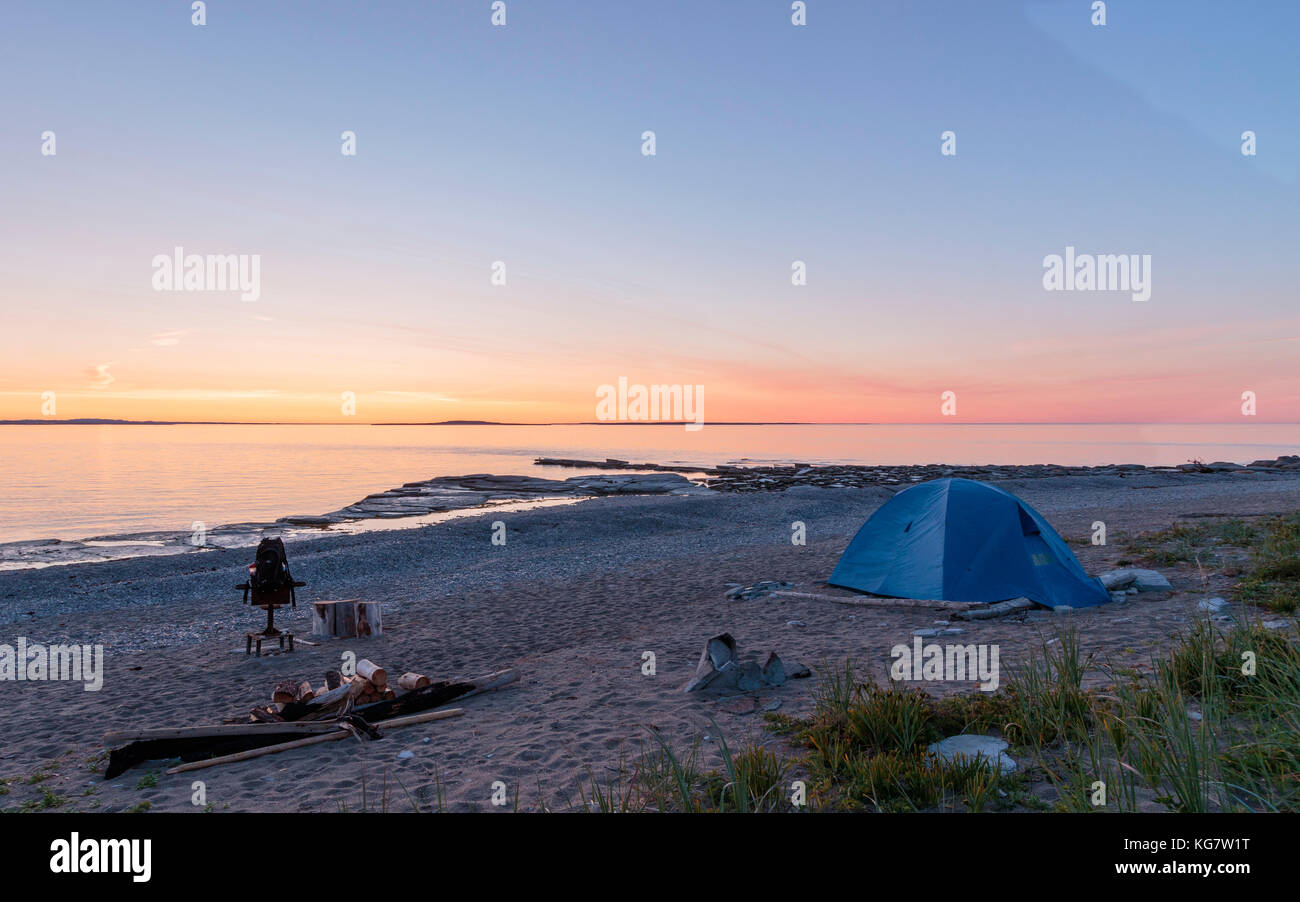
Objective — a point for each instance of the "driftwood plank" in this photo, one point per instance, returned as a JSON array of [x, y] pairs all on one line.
[[311, 740], [196, 747], [1000, 609], [300, 728]]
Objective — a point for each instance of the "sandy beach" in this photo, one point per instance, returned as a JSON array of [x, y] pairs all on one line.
[[573, 600]]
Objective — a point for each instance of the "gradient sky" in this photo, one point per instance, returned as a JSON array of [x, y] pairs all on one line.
[[775, 143]]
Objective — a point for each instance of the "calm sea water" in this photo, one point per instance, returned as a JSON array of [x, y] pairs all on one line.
[[74, 482]]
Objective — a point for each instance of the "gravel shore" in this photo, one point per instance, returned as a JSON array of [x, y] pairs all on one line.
[[180, 598], [573, 600]]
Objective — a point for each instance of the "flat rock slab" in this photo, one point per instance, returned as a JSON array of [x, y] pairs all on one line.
[[1136, 578], [973, 745], [445, 493]]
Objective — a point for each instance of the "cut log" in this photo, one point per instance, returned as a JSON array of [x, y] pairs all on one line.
[[371, 671], [322, 618], [285, 692], [346, 619], [369, 622], [409, 681], [305, 692], [312, 740]]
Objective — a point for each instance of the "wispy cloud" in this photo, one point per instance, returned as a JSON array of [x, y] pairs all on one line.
[[416, 395], [168, 339]]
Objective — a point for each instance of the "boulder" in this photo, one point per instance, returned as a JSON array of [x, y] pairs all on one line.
[[774, 671], [720, 667], [1213, 605], [796, 671], [750, 678]]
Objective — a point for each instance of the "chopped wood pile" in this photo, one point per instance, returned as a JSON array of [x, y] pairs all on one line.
[[359, 705]]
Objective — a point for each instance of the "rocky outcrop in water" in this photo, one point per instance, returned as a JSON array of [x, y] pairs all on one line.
[[727, 478], [445, 493]]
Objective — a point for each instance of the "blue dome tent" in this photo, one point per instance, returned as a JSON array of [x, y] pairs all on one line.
[[961, 540]]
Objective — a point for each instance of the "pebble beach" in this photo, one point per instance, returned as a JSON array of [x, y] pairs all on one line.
[[574, 599]]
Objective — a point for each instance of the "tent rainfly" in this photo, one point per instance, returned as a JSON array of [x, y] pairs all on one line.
[[961, 540]]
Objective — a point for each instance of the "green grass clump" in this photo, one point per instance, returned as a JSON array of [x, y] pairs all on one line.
[[1216, 727], [1205, 542], [868, 746], [1266, 553], [751, 779]]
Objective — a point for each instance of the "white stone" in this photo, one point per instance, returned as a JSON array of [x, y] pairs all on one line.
[[973, 745]]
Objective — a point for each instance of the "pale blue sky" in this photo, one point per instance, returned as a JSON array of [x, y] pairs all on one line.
[[775, 143]]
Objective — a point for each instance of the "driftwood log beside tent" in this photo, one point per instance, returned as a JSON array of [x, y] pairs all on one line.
[[326, 714]]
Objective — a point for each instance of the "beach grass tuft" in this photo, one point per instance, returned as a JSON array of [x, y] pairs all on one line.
[[1215, 726]]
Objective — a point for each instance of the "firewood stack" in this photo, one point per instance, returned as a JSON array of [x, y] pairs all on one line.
[[292, 691], [369, 685]]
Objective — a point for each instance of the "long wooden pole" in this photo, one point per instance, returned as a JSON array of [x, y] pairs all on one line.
[[292, 727], [313, 740], [878, 602]]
